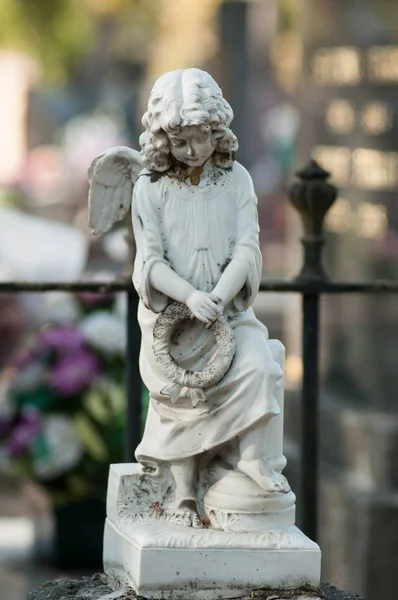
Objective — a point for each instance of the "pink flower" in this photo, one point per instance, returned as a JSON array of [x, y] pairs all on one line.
[[26, 357], [74, 372], [92, 298], [25, 432]]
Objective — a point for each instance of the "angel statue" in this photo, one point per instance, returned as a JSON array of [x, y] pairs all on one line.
[[205, 358]]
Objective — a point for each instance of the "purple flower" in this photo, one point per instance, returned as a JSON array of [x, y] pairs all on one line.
[[97, 297], [93, 298], [26, 430], [74, 372], [26, 357], [62, 338]]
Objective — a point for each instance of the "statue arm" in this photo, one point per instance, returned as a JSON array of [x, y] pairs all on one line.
[[240, 281], [231, 281], [166, 281], [153, 277]]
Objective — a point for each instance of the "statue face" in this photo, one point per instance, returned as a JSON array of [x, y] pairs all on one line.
[[192, 146]]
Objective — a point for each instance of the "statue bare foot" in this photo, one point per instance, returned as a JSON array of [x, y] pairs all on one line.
[[265, 476], [186, 514]]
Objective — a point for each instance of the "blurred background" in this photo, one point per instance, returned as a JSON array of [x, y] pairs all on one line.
[[308, 77]]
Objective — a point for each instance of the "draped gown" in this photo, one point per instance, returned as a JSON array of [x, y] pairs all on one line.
[[197, 231]]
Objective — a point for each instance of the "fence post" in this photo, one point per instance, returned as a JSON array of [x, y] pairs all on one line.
[[133, 383], [312, 196], [133, 378]]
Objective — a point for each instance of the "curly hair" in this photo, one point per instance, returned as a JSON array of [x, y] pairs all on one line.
[[181, 98]]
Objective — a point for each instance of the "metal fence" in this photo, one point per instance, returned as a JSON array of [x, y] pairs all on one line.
[[312, 196]]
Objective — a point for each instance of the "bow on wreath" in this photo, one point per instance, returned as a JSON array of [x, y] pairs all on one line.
[[174, 391], [186, 379]]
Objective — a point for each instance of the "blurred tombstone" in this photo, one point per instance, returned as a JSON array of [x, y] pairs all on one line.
[[33, 249], [349, 106], [17, 73], [349, 111]]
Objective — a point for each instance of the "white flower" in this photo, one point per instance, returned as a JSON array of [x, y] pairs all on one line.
[[56, 307], [121, 305], [62, 309], [63, 448], [105, 331]]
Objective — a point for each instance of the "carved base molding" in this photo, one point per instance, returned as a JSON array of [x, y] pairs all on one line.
[[159, 560]]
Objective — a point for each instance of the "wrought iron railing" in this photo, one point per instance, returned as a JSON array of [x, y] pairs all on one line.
[[312, 196]]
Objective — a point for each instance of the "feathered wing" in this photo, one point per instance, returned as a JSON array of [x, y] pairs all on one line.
[[112, 176]]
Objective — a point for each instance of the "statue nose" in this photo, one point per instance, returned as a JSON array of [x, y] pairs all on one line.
[[191, 151]]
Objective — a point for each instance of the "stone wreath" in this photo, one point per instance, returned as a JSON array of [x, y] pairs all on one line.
[[195, 381]]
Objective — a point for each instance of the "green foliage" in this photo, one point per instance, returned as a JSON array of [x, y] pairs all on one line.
[[59, 33], [54, 32], [288, 15]]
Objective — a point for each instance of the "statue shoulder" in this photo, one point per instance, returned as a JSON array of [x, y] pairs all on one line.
[[147, 193], [241, 179]]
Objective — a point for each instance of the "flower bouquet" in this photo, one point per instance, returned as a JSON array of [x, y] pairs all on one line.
[[63, 412]]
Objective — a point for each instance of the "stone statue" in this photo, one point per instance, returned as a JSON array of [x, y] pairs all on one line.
[[211, 456]]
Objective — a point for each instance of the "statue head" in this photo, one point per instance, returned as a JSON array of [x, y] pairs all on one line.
[[187, 121]]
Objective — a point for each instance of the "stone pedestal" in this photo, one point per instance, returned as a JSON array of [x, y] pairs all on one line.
[[248, 541], [158, 559]]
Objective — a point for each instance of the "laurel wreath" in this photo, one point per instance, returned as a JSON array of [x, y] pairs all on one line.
[[195, 381]]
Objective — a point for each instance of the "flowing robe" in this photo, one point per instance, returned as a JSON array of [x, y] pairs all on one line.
[[198, 231]]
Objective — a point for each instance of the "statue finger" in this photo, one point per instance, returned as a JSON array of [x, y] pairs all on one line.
[[203, 319], [215, 298], [204, 312], [211, 313], [213, 308]]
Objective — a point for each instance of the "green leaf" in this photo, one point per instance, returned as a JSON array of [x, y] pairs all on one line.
[[58, 498], [40, 448], [42, 399], [96, 406], [78, 487], [22, 466], [90, 438], [117, 399]]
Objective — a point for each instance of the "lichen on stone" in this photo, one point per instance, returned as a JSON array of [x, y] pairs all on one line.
[[99, 587]]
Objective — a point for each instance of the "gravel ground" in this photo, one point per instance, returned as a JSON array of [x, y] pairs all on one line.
[[97, 588]]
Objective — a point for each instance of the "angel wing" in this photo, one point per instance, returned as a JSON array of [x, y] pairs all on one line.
[[112, 176]]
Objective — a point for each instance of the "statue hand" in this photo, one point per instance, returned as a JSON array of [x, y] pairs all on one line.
[[217, 300], [203, 307]]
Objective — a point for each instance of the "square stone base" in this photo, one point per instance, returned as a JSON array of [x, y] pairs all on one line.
[[160, 560]]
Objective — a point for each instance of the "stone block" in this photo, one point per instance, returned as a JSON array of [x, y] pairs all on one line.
[[145, 551]]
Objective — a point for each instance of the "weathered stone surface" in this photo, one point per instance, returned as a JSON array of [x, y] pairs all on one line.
[[332, 593], [86, 588], [98, 588]]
